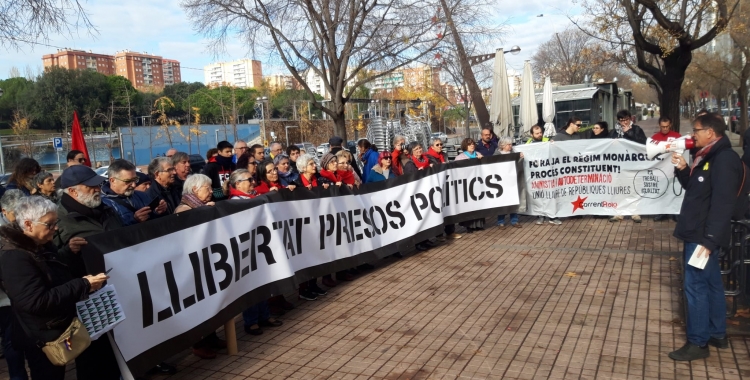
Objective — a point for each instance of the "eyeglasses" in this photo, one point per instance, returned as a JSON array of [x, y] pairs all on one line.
[[387, 158], [438, 145], [170, 170], [246, 179], [128, 181], [695, 130], [50, 226], [81, 160], [240, 147], [623, 120], [578, 125], [343, 163], [274, 170]]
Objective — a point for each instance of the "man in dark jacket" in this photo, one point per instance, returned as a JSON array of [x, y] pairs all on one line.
[[625, 129], [119, 193], [181, 163], [335, 144], [712, 186], [81, 214], [219, 169], [163, 173], [487, 146]]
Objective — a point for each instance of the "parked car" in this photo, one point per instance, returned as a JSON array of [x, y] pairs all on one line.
[[103, 171], [4, 178], [323, 149], [440, 135]]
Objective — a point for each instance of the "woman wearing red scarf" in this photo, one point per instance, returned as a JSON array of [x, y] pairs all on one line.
[[416, 160], [435, 153], [328, 173], [345, 170], [269, 179], [399, 144], [308, 173], [241, 185]]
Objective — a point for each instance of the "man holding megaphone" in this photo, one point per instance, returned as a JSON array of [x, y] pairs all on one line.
[[712, 184]]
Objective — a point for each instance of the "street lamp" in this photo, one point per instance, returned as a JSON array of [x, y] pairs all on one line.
[[514, 50], [263, 100]]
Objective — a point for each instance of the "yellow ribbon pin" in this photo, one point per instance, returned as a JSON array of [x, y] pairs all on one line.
[[705, 167]]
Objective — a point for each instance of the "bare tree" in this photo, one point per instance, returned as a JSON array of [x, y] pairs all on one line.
[[23, 22], [569, 58], [656, 40], [334, 40]]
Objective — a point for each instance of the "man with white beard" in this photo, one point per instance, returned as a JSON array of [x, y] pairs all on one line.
[[81, 212]]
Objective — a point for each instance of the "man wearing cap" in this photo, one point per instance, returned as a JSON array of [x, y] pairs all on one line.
[[119, 193], [81, 212], [335, 143]]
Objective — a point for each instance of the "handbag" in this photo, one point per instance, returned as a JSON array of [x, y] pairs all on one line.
[[66, 348]]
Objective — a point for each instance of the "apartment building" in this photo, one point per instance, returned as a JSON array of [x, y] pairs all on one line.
[[421, 77], [80, 60], [142, 69], [171, 69], [281, 82], [244, 73]]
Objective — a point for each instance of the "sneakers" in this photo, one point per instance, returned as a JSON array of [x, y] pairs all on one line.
[[501, 225], [615, 218], [253, 331], [454, 236], [441, 239], [307, 295], [636, 219], [689, 352], [718, 342], [317, 290], [661, 217], [517, 225], [556, 222], [540, 221], [421, 247]]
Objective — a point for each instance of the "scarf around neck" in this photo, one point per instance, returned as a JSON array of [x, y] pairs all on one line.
[[240, 194], [312, 182], [191, 201], [421, 162], [702, 153], [471, 155]]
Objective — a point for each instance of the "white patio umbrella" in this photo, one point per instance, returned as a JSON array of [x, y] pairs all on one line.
[[501, 113], [548, 109], [528, 115]]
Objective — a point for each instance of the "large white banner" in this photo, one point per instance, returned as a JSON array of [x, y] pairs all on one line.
[[598, 177], [171, 284]]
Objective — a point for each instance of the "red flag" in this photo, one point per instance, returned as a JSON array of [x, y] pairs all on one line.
[[77, 141]]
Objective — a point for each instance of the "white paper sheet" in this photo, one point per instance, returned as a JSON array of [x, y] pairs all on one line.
[[101, 311], [698, 262]]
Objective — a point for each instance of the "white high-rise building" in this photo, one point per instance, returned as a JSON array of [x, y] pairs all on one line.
[[245, 73]]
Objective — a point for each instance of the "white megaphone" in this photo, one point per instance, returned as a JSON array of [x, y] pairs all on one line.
[[655, 148]]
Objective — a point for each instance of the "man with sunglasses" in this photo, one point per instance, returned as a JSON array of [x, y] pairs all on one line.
[[119, 193], [570, 132], [712, 189]]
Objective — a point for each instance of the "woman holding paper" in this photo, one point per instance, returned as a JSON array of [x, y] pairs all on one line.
[[44, 293]]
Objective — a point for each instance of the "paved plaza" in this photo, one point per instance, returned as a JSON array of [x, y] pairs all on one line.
[[585, 300]]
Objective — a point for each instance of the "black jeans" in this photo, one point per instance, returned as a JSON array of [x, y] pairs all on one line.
[[15, 358]]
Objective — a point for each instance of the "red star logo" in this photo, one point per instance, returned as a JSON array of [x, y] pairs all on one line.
[[578, 203]]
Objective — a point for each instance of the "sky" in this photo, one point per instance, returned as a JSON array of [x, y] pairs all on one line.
[[162, 28]]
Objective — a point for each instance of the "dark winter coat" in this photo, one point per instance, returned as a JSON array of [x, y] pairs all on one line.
[[77, 220], [172, 196], [376, 174], [710, 197], [41, 287], [126, 206], [634, 134], [369, 159]]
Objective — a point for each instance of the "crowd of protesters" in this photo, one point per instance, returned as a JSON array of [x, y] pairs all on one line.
[[45, 222]]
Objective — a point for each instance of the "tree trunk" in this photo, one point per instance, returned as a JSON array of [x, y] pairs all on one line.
[[339, 118], [671, 82], [742, 94]]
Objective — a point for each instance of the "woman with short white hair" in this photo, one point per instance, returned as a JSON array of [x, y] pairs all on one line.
[[505, 146], [196, 192], [42, 289]]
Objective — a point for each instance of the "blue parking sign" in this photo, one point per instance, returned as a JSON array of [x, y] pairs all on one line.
[[58, 143]]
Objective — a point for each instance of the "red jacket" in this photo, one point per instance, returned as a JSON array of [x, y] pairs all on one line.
[[263, 187], [396, 162], [439, 156], [672, 135]]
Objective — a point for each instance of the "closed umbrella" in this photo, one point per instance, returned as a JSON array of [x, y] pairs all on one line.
[[548, 109], [501, 113], [528, 115]]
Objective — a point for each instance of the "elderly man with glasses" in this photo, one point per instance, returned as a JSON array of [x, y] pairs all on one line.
[[163, 172], [119, 193]]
